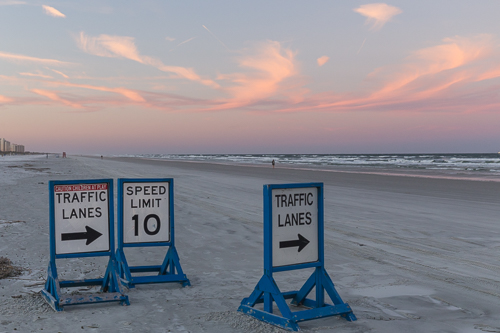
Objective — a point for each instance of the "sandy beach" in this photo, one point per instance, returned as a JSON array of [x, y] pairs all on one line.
[[409, 254]]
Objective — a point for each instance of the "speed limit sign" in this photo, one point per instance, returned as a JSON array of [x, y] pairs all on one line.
[[146, 218], [146, 212]]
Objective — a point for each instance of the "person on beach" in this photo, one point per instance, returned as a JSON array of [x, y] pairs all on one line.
[[273, 163]]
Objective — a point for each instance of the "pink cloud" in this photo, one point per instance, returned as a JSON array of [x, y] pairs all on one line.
[[4, 99], [434, 78], [110, 46], [457, 74], [36, 75], [60, 73], [124, 47], [51, 11], [322, 60], [24, 58], [267, 69], [377, 14], [434, 63], [83, 100], [128, 93], [54, 97]]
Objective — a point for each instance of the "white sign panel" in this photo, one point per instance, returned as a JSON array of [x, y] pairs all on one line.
[[146, 212], [295, 226], [81, 218]]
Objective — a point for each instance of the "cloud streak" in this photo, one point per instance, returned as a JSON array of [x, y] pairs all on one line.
[[267, 70], [12, 3], [184, 42], [37, 75], [24, 58], [124, 47], [210, 32], [445, 76], [128, 93], [60, 73], [51, 11], [377, 14], [56, 98], [459, 73]]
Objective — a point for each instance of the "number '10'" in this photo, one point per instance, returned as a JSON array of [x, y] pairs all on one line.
[[135, 218]]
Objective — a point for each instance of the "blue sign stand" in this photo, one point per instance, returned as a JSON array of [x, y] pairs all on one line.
[[267, 290], [170, 270], [110, 286]]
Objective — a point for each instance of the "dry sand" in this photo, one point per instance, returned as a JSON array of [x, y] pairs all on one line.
[[408, 254]]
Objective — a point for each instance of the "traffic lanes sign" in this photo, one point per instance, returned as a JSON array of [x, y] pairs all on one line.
[[294, 239], [81, 225], [81, 218], [294, 226]]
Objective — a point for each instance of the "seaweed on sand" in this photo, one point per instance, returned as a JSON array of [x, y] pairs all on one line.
[[7, 269]]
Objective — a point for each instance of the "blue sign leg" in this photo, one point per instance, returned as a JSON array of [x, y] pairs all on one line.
[[169, 271], [52, 290], [268, 292], [123, 269], [171, 265]]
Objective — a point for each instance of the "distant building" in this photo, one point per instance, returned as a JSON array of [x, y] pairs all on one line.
[[17, 148], [6, 146]]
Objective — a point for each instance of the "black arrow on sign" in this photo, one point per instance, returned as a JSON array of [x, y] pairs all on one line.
[[301, 243], [91, 235]]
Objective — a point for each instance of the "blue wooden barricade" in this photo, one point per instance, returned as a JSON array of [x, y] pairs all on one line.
[[170, 270], [267, 290], [111, 290]]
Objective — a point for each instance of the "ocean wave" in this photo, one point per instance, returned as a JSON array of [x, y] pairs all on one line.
[[451, 163]]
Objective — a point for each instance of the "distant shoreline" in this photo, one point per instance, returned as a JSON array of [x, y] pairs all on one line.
[[412, 173]]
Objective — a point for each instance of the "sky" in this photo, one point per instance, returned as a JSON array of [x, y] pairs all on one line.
[[285, 76]]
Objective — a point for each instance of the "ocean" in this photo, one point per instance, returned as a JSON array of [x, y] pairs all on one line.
[[470, 166]]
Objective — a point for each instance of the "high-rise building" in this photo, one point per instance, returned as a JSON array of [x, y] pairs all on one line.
[[6, 146], [16, 148]]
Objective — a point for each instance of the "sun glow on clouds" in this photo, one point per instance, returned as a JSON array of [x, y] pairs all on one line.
[[128, 93], [38, 74], [268, 66], [437, 63], [54, 97], [24, 58], [4, 99], [124, 47], [377, 14], [427, 78], [51, 11], [322, 60], [440, 77], [60, 73]]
